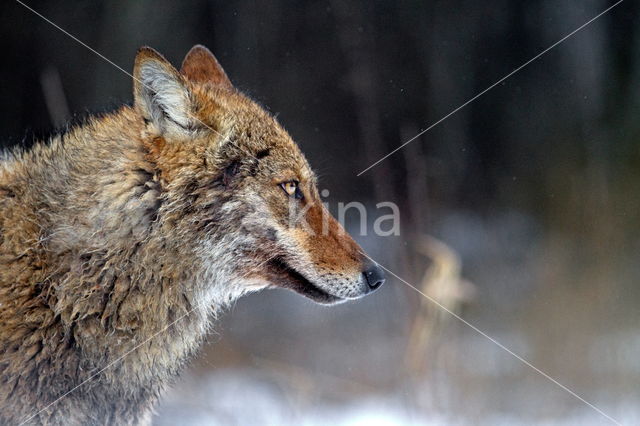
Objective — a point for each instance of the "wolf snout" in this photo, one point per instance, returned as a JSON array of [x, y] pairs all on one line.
[[374, 276]]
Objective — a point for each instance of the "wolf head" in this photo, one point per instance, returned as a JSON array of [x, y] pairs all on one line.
[[238, 185]]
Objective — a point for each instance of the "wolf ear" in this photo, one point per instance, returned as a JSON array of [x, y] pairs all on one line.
[[160, 93], [201, 66]]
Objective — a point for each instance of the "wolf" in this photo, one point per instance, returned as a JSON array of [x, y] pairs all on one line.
[[121, 239]]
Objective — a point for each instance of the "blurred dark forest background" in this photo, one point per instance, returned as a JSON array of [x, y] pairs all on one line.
[[531, 193]]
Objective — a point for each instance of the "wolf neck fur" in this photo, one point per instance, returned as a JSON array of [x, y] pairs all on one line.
[[124, 276]]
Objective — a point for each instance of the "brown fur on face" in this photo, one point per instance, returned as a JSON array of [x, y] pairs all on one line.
[[120, 239]]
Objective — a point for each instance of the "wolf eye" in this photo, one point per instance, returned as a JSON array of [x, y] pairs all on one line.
[[292, 189]]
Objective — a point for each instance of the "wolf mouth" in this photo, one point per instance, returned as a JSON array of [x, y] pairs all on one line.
[[283, 275]]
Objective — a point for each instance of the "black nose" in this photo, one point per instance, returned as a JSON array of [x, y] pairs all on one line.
[[374, 275]]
